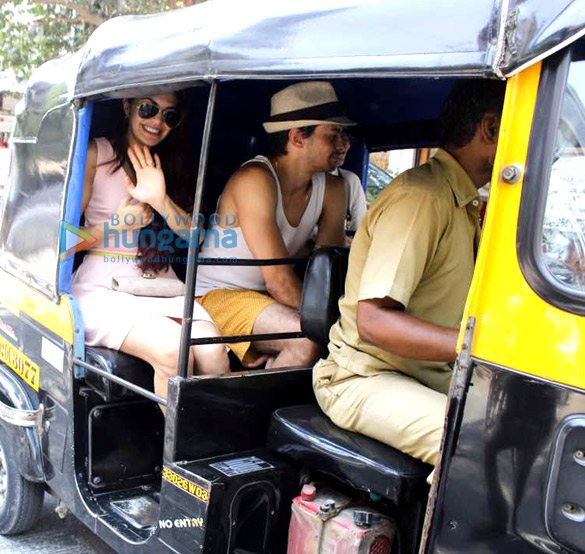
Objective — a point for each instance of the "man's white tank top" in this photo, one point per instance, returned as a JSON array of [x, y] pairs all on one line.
[[294, 238]]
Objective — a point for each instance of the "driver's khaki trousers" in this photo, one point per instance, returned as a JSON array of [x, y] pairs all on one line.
[[390, 407]]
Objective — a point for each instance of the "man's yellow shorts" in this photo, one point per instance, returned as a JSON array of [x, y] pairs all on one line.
[[234, 312]]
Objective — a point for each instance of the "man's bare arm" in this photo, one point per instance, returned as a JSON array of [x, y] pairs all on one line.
[[252, 190], [383, 323], [332, 221]]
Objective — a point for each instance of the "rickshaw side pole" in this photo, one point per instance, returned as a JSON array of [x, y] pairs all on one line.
[[193, 242], [127, 384]]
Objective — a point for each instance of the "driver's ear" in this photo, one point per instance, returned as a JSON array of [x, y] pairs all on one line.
[[490, 128]]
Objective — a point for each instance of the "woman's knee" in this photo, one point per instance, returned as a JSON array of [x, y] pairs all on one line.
[[210, 359], [165, 358]]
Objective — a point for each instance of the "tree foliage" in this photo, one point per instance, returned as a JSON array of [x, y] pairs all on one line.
[[34, 31]]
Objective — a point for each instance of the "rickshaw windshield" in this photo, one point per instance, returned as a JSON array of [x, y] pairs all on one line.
[[563, 233], [30, 232]]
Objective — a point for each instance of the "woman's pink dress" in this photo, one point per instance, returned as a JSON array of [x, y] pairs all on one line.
[[108, 314]]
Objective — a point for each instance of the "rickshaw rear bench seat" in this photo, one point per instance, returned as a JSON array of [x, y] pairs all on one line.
[[306, 435], [126, 366]]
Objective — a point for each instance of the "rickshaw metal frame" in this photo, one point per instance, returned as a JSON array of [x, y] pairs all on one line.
[[505, 57]]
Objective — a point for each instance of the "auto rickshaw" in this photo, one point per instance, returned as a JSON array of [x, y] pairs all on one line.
[[218, 474]]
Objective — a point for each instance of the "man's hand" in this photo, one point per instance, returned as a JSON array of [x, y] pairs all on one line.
[[265, 360], [384, 323]]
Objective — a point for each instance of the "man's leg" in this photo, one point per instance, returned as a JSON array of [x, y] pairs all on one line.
[[390, 407], [246, 312], [278, 318]]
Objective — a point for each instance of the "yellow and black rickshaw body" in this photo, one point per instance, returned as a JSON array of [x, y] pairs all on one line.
[[84, 422]]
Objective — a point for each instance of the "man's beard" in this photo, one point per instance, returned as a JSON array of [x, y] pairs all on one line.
[[488, 168]]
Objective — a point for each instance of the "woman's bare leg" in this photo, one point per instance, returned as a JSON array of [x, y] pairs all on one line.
[[156, 340], [210, 359]]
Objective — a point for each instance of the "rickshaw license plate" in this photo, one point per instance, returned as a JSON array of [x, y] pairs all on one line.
[[185, 485], [19, 363], [240, 466]]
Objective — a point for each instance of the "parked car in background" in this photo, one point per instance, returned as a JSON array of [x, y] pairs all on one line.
[[378, 180]]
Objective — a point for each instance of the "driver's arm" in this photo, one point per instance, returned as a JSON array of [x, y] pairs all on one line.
[[383, 323], [254, 195], [404, 240]]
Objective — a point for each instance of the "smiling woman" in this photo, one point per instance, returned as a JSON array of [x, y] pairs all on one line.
[[148, 128], [139, 179]]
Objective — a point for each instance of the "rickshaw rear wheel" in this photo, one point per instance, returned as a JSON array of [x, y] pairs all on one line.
[[21, 501]]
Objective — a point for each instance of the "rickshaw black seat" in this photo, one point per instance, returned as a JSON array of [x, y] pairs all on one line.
[[125, 366], [306, 435], [323, 285]]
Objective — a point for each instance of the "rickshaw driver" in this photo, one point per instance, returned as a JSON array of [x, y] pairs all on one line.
[[277, 202], [410, 267]]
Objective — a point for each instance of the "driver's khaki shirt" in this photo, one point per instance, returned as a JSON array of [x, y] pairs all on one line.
[[416, 245]]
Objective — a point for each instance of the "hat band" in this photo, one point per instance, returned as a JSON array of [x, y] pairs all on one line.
[[320, 112]]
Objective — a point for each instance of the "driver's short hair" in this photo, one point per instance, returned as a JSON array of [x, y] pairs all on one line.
[[467, 103]]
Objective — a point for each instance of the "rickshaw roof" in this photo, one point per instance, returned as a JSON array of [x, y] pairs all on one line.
[[308, 39]]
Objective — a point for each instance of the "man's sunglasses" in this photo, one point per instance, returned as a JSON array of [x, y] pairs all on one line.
[[171, 116], [344, 137], [348, 138]]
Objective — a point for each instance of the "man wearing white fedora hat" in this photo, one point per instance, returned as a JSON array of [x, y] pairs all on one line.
[[277, 202]]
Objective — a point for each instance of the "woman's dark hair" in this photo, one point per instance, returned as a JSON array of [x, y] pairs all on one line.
[[278, 141], [464, 108], [176, 155]]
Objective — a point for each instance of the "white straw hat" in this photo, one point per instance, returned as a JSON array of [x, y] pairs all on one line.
[[304, 104]]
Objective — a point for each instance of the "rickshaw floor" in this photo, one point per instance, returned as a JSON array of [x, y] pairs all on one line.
[[134, 510]]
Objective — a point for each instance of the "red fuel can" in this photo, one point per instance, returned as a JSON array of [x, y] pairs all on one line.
[[358, 530], [323, 522], [310, 511]]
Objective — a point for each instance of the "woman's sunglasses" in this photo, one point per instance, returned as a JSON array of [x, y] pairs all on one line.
[[171, 116]]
